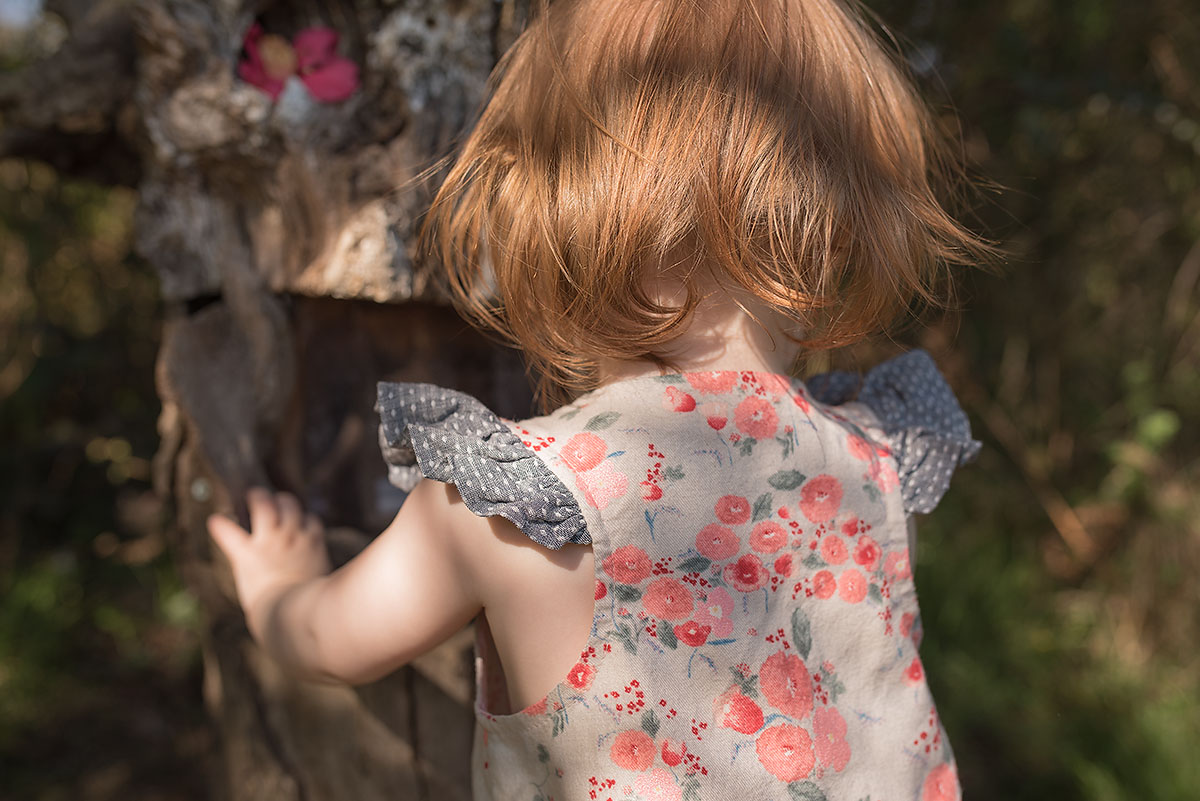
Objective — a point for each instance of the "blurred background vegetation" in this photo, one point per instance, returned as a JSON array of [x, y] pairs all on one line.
[[1058, 579]]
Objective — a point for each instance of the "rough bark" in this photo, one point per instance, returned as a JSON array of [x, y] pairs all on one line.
[[283, 235]]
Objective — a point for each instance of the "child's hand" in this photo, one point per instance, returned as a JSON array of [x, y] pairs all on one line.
[[284, 547]]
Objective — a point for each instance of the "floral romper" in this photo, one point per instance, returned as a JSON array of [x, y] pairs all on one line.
[[756, 624]]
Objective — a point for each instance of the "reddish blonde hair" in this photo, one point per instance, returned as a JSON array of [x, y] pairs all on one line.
[[775, 142]]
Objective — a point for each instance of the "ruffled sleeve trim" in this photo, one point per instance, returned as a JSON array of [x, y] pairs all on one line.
[[926, 430], [426, 430]]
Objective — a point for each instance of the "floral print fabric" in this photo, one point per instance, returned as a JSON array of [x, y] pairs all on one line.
[[756, 625]]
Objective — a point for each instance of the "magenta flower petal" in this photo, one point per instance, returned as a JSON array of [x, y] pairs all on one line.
[[252, 72], [315, 48], [334, 82]]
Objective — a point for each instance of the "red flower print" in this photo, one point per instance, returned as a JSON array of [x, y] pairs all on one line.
[[581, 676], [820, 498], [906, 623], [534, 709], [658, 785], [715, 612], [628, 564], [602, 484], [756, 418], [867, 553], [735, 711], [801, 401], [602, 590], [747, 574], [896, 565], [717, 415], [711, 383], [311, 56], [633, 750], [733, 509], [673, 751], [941, 784], [717, 542], [651, 491], [668, 599], [852, 586], [692, 633], [824, 584], [775, 384], [786, 684], [884, 476], [783, 565], [786, 752], [833, 550], [829, 736], [584, 451], [914, 673], [676, 400], [768, 537], [859, 448]]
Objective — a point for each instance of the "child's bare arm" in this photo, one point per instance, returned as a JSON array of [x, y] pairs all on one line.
[[406, 592]]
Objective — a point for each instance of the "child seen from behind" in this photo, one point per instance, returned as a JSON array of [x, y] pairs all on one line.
[[692, 580]]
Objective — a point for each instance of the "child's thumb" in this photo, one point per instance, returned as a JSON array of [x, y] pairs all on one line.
[[228, 535]]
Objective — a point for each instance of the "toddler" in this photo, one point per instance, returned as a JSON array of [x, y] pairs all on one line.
[[691, 579]]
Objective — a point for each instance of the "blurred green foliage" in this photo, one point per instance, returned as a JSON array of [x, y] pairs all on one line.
[[1058, 578]]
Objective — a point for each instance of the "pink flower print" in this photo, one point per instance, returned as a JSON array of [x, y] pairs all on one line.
[[783, 565], [602, 484], [914, 673], [535, 709], [668, 599], [692, 633], [602, 590], [628, 564], [820, 498], [896, 565], [768, 537], [786, 752], [824, 584], [852, 586], [859, 448], [786, 684], [673, 751], [715, 612], [581, 676], [747, 574], [633, 750], [711, 383], [884, 476], [651, 491], [801, 402], [829, 734], [733, 710], [658, 785], [756, 417], [717, 542], [775, 384], [833, 550], [906, 623], [733, 509], [941, 784], [311, 56], [584, 451], [867, 553], [676, 400], [717, 415]]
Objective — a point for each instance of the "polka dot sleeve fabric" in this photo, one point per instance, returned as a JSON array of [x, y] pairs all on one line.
[[426, 430], [927, 430]]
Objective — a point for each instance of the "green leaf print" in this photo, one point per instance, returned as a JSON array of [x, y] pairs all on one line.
[[747, 684], [691, 788], [602, 421], [806, 791], [560, 722], [872, 491], [650, 723], [787, 479], [814, 561], [543, 754], [669, 379], [666, 635], [626, 593], [762, 506], [801, 633], [674, 473], [874, 594], [624, 635], [747, 446], [694, 564]]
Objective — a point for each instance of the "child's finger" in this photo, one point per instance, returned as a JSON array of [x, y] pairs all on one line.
[[229, 536], [312, 524], [290, 513], [263, 512]]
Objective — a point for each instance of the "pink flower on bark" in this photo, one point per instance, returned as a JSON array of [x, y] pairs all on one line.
[[311, 56]]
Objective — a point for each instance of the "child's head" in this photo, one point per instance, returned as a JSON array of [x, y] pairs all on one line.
[[768, 146]]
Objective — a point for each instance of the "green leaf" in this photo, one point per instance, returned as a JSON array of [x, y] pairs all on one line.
[[762, 506], [806, 791], [666, 635], [650, 723], [874, 594], [787, 479], [560, 722], [872, 491], [814, 560], [542, 753], [747, 446], [625, 635], [801, 633], [694, 564], [602, 421], [674, 473], [626, 593]]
